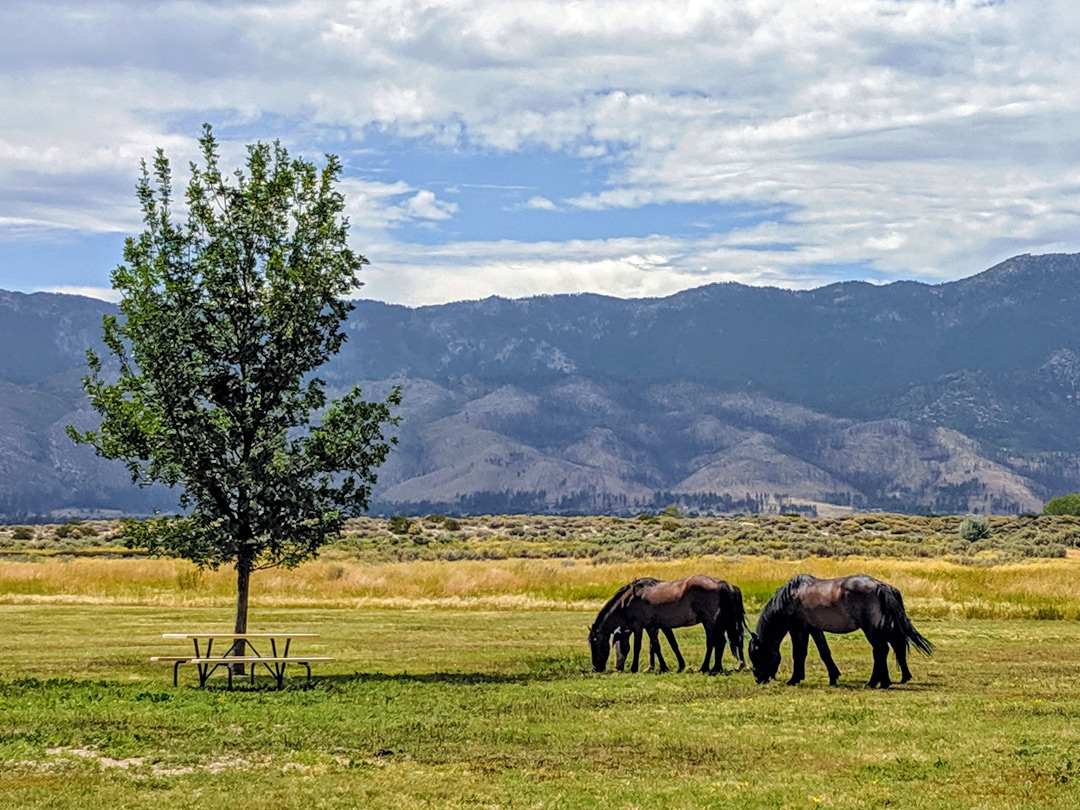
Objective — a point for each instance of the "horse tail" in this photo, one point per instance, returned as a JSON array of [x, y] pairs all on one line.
[[735, 616], [896, 619]]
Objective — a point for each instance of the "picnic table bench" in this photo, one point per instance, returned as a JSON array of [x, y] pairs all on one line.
[[244, 652]]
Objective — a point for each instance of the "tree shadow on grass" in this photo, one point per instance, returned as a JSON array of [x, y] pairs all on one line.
[[540, 670]]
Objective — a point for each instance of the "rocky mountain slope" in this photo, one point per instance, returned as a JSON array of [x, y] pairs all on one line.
[[913, 397]]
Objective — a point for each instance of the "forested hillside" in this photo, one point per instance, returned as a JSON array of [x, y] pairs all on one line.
[[912, 397]]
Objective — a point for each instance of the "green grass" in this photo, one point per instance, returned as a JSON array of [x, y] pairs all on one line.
[[496, 709]]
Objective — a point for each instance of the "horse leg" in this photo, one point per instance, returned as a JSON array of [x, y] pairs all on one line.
[[826, 656], [654, 650], [799, 639], [637, 650], [708, 648], [737, 650], [880, 676], [670, 636], [622, 647], [899, 646], [719, 642]]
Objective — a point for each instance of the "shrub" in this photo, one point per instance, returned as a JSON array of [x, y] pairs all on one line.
[[69, 529], [450, 524], [974, 527], [22, 533], [399, 524]]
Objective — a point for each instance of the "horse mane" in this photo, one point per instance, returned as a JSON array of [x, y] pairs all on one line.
[[607, 608], [783, 597], [619, 595]]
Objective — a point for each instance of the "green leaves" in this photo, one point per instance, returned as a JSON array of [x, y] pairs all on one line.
[[1063, 505], [225, 316]]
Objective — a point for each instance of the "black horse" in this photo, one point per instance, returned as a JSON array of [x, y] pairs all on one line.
[[808, 607], [643, 605]]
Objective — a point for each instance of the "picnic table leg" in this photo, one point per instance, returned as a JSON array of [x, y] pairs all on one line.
[[176, 673], [307, 666]]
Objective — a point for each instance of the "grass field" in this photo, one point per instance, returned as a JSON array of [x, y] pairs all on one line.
[[470, 689]]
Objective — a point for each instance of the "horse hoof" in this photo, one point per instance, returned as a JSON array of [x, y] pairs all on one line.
[[905, 679], [833, 682], [794, 682]]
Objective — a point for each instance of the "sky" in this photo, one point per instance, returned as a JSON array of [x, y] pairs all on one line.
[[519, 148]]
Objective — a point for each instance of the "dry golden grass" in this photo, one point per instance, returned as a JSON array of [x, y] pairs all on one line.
[[1048, 589]]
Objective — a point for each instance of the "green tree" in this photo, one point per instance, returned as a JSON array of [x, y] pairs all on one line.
[[226, 312], [1063, 505]]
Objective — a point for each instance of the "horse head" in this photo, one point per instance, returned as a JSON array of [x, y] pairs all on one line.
[[598, 646], [764, 659]]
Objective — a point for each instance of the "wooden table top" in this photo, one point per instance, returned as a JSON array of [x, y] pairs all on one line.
[[239, 635]]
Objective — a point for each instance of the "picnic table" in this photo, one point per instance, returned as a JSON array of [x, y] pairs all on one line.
[[275, 660]]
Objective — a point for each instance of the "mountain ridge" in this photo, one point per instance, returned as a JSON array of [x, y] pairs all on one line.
[[721, 396]]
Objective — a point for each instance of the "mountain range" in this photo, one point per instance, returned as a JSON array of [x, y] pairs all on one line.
[[954, 397]]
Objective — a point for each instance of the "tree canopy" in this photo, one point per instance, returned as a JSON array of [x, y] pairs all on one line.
[[229, 305], [1063, 505]]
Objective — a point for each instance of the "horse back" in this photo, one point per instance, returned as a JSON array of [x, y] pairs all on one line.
[[840, 605], [679, 602]]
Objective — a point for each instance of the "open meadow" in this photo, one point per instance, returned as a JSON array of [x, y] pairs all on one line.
[[466, 683]]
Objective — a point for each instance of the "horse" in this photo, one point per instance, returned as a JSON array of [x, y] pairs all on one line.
[[807, 607], [650, 605]]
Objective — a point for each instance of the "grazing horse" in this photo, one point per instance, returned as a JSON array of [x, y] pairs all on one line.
[[807, 607], [651, 605]]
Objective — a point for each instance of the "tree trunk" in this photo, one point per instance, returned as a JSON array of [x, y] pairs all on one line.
[[243, 580]]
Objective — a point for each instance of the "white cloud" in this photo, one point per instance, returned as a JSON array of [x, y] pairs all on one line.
[[538, 203], [101, 293], [423, 205], [921, 137]]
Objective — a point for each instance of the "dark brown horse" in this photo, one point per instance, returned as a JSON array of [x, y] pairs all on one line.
[[808, 607], [650, 606]]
